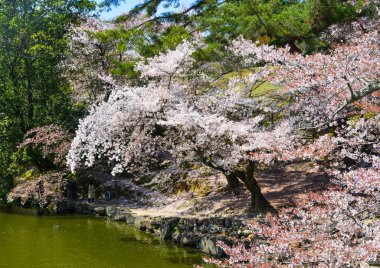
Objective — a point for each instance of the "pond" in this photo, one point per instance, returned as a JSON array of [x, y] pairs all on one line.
[[74, 241]]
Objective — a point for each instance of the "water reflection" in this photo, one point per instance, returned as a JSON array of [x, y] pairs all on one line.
[[74, 241]]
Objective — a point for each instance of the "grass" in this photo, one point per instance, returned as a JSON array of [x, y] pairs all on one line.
[[355, 118], [260, 89]]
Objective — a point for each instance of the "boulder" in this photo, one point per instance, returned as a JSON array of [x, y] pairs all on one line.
[[187, 225], [100, 211], [157, 232], [130, 218], [207, 244], [190, 240], [120, 217], [110, 211], [176, 237], [152, 225], [141, 223], [167, 227]]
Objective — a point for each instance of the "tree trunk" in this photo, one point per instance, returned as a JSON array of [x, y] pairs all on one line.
[[247, 175], [258, 201], [233, 181]]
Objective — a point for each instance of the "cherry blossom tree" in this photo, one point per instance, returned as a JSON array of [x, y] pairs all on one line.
[[96, 47], [221, 130], [118, 128], [170, 65], [228, 130], [86, 65], [335, 228], [215, 131], [324, 85], [339, 227]]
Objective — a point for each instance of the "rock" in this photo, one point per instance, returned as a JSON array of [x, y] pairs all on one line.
[[188, 225], [214, 229], [120, 217], [218, 221], [202, 229], [208, 245], [141, 223], [190, 240], [176, 237], [79, 208], [167, 227], [201, 233], [228, 222], [69, 207], [85, 209], [110, 211], [157, 232], [237, 223], [101, 211], [224, 232], [130, 218], [123, 209], [152, 225], [52, 208]]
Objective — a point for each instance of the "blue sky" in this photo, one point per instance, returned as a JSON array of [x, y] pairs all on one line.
[[128, 5], [116, 11]]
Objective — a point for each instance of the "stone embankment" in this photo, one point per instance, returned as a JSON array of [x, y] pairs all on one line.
[[199, 233]]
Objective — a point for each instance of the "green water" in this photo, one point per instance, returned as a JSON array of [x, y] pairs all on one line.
[[74, 241]]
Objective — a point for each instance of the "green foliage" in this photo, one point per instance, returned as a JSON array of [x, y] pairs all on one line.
[[32, 89], [173, 36], [7, 131], [107, 4], [18, 162], [356, 118], [296, 23], [32, 43], [212, 52]]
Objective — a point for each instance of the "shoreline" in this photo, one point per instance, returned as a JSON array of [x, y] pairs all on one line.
[[199, 233]]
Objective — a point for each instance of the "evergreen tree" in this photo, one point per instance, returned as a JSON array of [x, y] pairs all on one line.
[[32, 90]]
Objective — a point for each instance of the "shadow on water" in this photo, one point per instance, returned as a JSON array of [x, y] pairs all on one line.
[[148, 241], [184, 260]]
